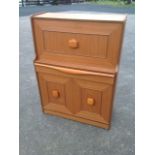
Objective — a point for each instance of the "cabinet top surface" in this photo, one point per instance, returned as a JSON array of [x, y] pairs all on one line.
[[91, 16]]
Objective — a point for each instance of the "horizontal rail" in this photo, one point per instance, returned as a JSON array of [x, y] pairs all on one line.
[[74, 71]]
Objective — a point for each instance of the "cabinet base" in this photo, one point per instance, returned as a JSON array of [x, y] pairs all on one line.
[[86, 121]]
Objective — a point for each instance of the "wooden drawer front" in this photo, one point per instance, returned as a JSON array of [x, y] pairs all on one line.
[[78, 42], [80, 95], [75, 44]]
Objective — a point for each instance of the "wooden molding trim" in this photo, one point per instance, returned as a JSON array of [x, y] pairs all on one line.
[[74, 71]]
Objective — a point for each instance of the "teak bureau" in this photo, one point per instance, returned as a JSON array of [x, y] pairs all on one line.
[[77, 58]]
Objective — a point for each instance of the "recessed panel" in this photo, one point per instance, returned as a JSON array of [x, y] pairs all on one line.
[[87, 44]]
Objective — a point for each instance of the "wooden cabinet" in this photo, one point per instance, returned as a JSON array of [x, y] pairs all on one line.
[[77, 58]]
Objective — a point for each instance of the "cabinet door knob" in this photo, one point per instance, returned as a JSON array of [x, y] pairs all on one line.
[[90, 101], [55, 94], [73, 43]]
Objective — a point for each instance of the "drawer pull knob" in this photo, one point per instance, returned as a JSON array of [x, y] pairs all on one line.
[[90, 101], [73, 43], [55, 94]]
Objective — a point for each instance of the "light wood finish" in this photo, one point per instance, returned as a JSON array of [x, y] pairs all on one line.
[[84, 16], [77, 59], [90, 101], [73, 71], [98, 48], [98, 124], [55, 93], [73, 43]]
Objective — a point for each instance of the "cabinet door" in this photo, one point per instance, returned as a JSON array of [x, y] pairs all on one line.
[[93, 100], [79, 94], [55, 92], [81, 44]]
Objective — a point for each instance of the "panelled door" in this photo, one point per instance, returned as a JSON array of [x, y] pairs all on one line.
[[76, 93]]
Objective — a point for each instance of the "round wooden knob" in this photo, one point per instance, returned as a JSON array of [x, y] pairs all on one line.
[[90, 101], [55, 93], [73, 43]]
